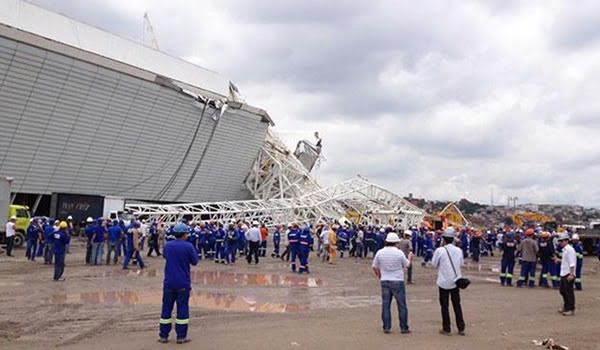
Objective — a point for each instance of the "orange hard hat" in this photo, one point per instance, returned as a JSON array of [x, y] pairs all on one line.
[[529, 232]]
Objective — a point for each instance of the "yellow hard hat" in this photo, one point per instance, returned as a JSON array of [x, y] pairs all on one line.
[[63, 224]]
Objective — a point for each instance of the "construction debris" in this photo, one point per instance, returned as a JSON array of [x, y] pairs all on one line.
[[549, 343]]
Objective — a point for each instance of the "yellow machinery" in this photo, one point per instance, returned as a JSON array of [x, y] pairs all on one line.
[[536, 218], [452, 216]]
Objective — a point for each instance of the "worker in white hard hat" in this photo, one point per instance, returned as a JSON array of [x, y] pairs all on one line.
[[448, 259], [90, 229], [568, 264], [579, 254], [389, 264]]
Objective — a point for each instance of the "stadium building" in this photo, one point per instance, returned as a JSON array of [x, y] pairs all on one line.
[[86, 112]]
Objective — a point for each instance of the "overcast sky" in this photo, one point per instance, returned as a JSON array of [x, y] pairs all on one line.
[[444, 99]]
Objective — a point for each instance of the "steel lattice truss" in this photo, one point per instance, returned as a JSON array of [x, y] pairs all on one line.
[[277, 173], [324, 204], [286, 192]]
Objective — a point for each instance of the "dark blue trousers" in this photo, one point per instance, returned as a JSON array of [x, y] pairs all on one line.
[[527, 273], [59, 265], [182, 298]]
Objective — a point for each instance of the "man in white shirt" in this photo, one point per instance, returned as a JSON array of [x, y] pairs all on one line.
[[324, 239], [11, 231], [567, 274], [388, 265], [253, 238], [448, 259]]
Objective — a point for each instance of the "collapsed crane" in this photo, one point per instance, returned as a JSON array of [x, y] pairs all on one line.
[[285, 191]]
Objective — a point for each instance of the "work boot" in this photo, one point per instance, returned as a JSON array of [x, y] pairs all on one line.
[[568, 313], [163, 340], [183, 341]]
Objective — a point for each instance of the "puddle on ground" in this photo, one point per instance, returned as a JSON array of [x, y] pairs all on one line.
[[226, 278], [205, 300]]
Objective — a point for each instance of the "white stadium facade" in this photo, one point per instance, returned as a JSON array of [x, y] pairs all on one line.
[[83, 111]]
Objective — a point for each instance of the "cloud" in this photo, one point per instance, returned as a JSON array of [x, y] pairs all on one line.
[[445, 100]]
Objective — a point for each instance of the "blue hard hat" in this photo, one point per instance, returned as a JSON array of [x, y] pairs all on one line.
[[181, 228]]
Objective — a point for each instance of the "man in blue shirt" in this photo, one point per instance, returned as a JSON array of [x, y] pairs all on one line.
[[60, 241], [115, 234], [179, 255]]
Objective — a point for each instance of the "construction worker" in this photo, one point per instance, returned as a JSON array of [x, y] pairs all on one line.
[[567, 263], [11, 231], [359, 239], [59, 243], [342, 237], [475, 246], [294, 244], [231, 244], [324, 239], [528, 249], [556, 268], [98, 240], [369, 241], [241, 231], [333, 241], [115, 234], [276, 241], [192, 237], [464, 240], [427, 248], [153, 240], [507, 264], [90, 229], [545, 254], [264, 234], [133, 239], [179, 255], [34, 235], [579, 254], [48, 237], [490, 241], [306, 241], [405, 245], [219, 235]]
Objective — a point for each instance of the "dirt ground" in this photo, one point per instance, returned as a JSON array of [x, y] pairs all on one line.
[[267, 307]]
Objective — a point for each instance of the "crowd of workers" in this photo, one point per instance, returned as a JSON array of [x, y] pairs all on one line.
[[224, 243]]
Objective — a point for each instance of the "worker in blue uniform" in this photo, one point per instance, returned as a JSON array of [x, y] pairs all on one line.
[[276, 241], [231, 244], [90, 229], [115, 234], [48, 239], [428, 248], [490, 241], [579, 253], [179, 255], [342, 236], [43, 222], [379, 241], [293, 238], [420, 239], [242, 242], [306, 241], [60, 240], [192, 237], [219, 244], [369, 241], [545, 255], [202, 233], [211, 240], [464, 243], [34, 235], [507, 264], [133, 251]]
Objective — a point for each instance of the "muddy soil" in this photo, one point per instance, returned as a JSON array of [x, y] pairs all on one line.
[[267, 307]]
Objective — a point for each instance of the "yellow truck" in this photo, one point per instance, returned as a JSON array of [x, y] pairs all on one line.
[[8, 210]]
